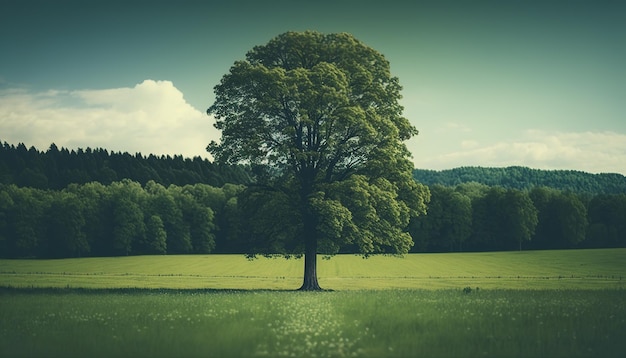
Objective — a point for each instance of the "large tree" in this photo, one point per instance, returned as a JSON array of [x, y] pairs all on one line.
[[318, 118]]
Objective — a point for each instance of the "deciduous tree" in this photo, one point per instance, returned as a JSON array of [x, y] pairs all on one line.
[[448, 222], [562, 219], [318, 117], [607, 221], [156, 237]]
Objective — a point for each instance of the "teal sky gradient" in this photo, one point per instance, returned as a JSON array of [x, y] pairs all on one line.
[[493, 83]]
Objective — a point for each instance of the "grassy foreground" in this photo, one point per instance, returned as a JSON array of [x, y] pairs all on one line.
[[559, 269], [382, 323], [530, 304]]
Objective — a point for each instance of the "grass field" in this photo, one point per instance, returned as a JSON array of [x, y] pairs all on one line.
[[559, 269], [530, 304]]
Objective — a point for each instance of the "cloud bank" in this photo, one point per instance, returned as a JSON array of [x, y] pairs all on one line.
[[594, 152], [151, 117]]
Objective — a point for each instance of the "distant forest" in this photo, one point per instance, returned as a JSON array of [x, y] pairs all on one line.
[[57, 168], [524, 178], [76, 203]]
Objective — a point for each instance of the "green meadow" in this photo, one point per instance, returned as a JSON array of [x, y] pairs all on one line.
[[505, 304], [558, 269]]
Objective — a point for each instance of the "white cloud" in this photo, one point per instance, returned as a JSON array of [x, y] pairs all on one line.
[[593, 152], [151, 117]]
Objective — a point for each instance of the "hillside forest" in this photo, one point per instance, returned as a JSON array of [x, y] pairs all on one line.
[[61, 203]]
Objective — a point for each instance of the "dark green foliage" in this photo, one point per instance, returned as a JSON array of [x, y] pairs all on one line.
[[199, 219], [119, 219], [510, 219], [448, 223], [156, 236], [25, 221], [128, 226], [267, 221], [66, 226], [518, 218], [607, 221], [562, 219], [520, 208], [523, 178], [125, 218], [163, 203], [56, 169]]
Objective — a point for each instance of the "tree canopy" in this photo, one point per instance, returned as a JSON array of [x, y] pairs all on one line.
[[318, 118]]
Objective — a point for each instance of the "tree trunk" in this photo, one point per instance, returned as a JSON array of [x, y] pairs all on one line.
[[310, 266], [310, 251]]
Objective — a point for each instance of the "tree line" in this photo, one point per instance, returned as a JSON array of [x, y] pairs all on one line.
[[477, 217], [524, 178], [57, 168], [122, 218], [171, 205], [127, 218]]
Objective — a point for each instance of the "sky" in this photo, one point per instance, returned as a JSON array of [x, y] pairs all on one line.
[[490, 83]]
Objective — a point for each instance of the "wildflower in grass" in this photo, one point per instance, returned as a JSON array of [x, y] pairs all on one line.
[[308, 326]]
